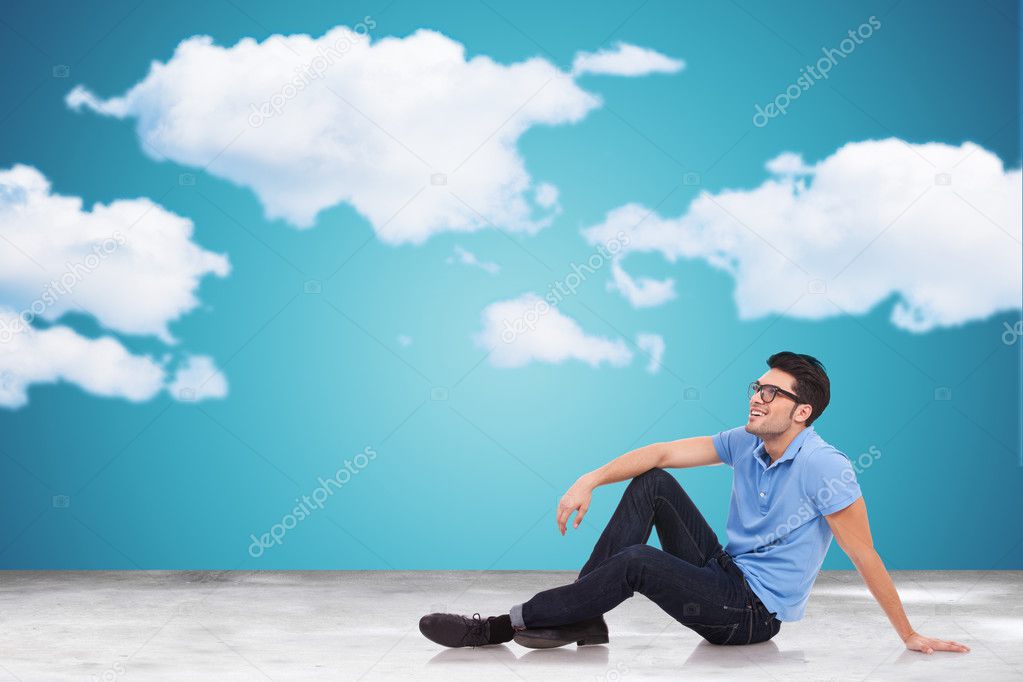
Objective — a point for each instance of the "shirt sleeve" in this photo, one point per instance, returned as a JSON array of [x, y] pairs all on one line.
[[733, 442], [829, 481]]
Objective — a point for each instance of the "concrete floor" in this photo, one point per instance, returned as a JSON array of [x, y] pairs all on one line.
[[353, 625]]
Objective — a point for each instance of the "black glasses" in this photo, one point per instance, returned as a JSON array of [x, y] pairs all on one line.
[[769, 391]]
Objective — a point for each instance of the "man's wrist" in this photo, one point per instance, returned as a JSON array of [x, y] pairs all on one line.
[[907, 635], [590, 480]]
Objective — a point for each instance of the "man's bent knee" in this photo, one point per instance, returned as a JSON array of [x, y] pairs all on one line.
[[652, 476], [635, 558]]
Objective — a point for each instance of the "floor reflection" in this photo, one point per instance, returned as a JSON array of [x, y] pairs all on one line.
[[707, 655], [579, 657]]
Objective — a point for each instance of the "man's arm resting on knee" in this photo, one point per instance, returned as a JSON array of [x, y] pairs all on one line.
[[676, 454], [683, 453]]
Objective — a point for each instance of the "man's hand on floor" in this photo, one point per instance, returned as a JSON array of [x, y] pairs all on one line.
[[577, 499], [928, 645]]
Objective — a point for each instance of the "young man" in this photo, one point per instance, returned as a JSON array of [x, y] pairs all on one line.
[[791, 493]]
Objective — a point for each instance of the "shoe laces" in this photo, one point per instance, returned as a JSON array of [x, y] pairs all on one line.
[[476, 630]]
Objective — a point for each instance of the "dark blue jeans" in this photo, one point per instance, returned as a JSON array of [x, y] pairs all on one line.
[[692, 578]]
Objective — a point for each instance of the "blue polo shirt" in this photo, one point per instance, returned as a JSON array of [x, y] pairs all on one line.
[[777, 533]]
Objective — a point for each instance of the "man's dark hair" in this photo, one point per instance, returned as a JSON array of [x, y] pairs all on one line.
[[812, 384]]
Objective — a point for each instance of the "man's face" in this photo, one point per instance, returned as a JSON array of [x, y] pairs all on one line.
[[777, 416]]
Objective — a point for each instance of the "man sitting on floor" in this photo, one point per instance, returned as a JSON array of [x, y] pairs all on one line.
[[791, 493]]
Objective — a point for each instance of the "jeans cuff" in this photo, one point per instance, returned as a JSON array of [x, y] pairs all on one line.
[[516, 617]]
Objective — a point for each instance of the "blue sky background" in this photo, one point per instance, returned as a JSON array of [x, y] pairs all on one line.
[[471, 481]]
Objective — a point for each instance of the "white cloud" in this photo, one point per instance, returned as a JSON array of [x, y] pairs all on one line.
[[925, 224], [527, 329], [625, 60], [546, 195], [469, 258], [788, 163], [100, 366], [130, 265], [642, 292], [198, 379], [414, 136], [653, 345]]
